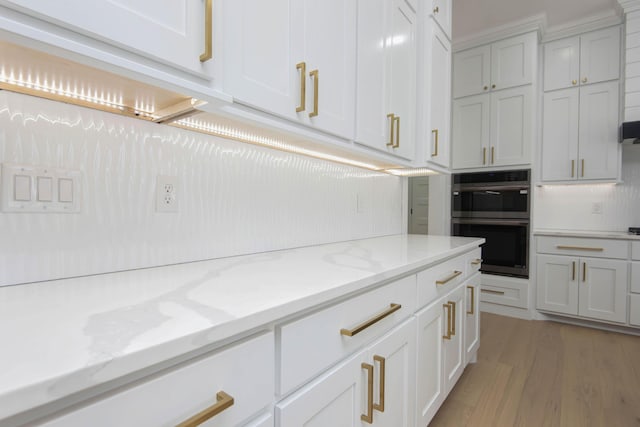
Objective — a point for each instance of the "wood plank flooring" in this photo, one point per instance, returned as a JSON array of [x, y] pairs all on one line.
[[535, 373]]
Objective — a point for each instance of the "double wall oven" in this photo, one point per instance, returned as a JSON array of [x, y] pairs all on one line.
[[495, 205]]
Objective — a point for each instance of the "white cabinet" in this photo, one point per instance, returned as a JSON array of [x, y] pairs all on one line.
[[373, 387], [441, 12], [472, 318], [590, 58], [293, 58], [453, 347], [173, 32], [437, 95], [386, 78], [471, 131], [580, 133]]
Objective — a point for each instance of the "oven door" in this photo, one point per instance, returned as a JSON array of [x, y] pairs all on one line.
[[506, 251], [490, 201]]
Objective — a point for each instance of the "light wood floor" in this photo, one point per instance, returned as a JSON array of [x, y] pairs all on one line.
[[535, 373]]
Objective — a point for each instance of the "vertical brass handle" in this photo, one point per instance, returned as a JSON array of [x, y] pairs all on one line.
[[435, 151], [448, 308], [302, 67], [484, 155], [453, 315], [316, 82], [223, 401], [573, 167], [397, 120], [391, 126], [584, 80], [582, 175], [584, 271], [436, 9], [476, 261], [473, 299], [208, 32], [573, 270], [368, 417], [380, 405], [493, 155]]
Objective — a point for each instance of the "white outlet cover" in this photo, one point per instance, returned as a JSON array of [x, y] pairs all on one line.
[[167, 194]]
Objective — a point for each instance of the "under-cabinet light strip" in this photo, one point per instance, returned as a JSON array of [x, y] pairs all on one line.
[[411, 172]]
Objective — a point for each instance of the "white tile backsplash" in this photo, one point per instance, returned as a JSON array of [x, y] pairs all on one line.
[[235, 198]]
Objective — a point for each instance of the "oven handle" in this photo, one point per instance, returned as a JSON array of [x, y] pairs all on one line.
[[466, 187], [489, 221]]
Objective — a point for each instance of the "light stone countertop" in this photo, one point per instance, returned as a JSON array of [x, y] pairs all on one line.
[[66, 336], [619, 235]]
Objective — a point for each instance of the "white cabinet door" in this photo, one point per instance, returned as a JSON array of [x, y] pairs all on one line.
[[558, 283], [472, 71], [560, 135], [439, 97], [430, 378], [472, 318], [598, 135], [512, 61], [561, 63], [600, 55], [172, 32], [441, 13], [453, 348], [603, 289], [471, 133], [511, 126]]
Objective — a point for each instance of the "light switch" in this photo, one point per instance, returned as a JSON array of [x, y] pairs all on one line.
[[22, 188], [45, 188], [65, 190]]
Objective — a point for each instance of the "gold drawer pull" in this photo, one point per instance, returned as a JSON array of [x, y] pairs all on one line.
[[484, 155], [224, 401], [351, 332], [453, 316], [208, 32], [391, 127], [381, 360], [489, 291], [573, 268], [448, 308], [435, 152], [397, 120], [455, 274], [302, 67], [315, 75], [368, 417], [476, 261], [473, 299], [584, 271], [580, 248]]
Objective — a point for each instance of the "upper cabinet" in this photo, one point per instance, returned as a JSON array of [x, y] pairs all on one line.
[[501, 65], [386, 78], [441, 13], [295, 59], [590, 58], [179, 33]]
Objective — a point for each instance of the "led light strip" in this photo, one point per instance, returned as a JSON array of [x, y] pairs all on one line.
[[411, 172]]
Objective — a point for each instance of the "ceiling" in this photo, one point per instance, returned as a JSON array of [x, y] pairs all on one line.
[[476, 16]]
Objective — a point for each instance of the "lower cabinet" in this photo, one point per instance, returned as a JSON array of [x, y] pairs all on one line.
[[373, 387], [472, 318]]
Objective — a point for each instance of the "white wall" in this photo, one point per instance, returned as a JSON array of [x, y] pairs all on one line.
[[570, 206], [234, 198]]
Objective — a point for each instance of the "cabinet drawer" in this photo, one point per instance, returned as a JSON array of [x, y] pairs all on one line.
[[503, 295], [634, 310], [579, 246], [473, 262], [440, 279], [635, 250], [315, 342], [244, 371], [635, 277]]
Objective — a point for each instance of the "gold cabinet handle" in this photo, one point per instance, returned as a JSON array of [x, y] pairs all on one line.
[[436, 9], [489, 291], [208, 32], [493, 86], [579, 248], [453, 315], [223, 401], [582, 174], [484, 155], [574, 82], [351, 332], [397, 120], [315, 75], [448, 308], [391, 126], [435, 152], [473, 299], [584, 271], [486, 87], [455, 274], [380, 405], [302, 68], [368, 417], [493, 152], [573, 167], [573, 270], [476, 261], [584, 80]]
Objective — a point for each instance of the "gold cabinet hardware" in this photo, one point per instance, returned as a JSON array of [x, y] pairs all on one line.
[[397, 120], [573, 270], [380, 405], [582, 174], [368, 417], [436, 9], [453, 316], [435, 151], [351, 332], [584, 80], [473, 299], [484, 155], [579, 248], [573, 167], [486, 87], [448, 308], [315, 75], [449, 278], [302, 67], [223, 401], [489, 291], [493, 152], [476, 261], [574, 82], [208, 32], [391, 126], [584, 271], [493, 86]]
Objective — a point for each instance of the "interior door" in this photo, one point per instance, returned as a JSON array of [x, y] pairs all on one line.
[[419, 209]]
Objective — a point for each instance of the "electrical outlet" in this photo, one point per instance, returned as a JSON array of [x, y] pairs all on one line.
[[166, 193]]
